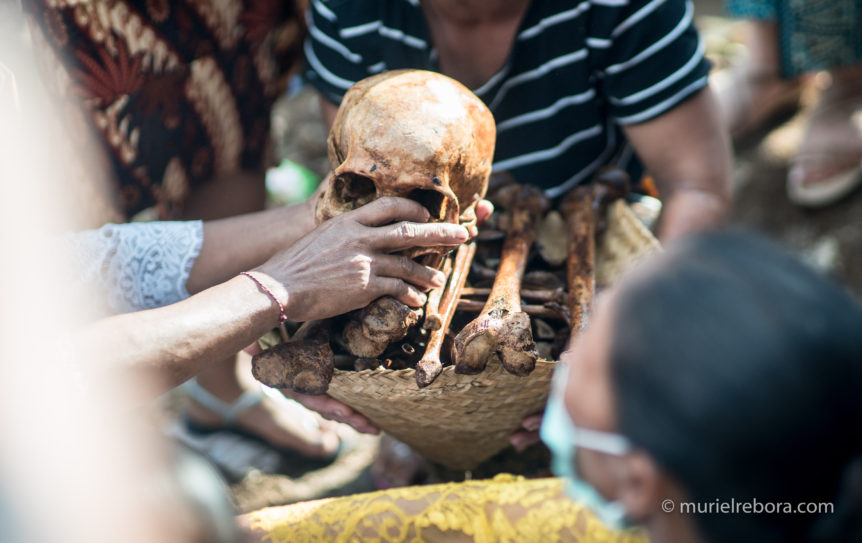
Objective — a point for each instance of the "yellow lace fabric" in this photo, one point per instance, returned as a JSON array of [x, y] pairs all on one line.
[[504, 509]]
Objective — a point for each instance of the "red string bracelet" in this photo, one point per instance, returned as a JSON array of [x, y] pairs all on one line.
[[282, 315]]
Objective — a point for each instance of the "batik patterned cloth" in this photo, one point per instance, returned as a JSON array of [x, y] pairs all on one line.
[[505, 509], [177, 92], [813, 34]]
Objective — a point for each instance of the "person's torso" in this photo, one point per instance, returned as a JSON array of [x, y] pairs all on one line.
[[553, 129], [176, 93]]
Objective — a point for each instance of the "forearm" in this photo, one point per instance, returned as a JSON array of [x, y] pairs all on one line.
[[689, 155], [686, 211], [173, 343], [241, 243], [348, 254]]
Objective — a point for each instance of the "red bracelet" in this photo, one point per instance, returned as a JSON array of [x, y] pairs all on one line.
[[282, 315]]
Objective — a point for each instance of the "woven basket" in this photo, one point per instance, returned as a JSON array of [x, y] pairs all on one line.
[[461, 420]]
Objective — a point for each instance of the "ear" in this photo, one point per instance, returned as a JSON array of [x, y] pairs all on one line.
[[640, 486]]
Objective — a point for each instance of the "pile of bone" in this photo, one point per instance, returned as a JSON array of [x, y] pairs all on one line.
[[514, 295], [423, 136]]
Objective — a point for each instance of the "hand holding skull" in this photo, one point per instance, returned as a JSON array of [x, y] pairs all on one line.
[[352, 251]]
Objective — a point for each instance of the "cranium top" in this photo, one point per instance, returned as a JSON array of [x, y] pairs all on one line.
[[415, 134]]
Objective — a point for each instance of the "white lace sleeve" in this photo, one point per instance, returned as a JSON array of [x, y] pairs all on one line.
[[137, 265]]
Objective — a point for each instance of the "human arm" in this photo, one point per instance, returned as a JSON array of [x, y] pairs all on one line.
[[655, 80], [689, 155], [136, 266], [348, 255], [240, 243]]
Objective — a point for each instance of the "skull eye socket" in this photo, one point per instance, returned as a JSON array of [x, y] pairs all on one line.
[[354, 189], [431, 200]]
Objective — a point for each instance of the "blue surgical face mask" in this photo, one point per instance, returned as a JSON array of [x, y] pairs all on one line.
[[563, 438]]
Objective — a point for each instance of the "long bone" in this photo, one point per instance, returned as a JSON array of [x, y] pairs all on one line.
[[304, 364], [430, 366], [475, 306], [502, 329], [536, 295], [433, 317], [583, 208]]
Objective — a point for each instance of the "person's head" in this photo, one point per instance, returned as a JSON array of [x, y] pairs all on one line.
[[734, 374]]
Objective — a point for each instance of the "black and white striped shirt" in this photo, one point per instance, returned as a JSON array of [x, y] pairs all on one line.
[[577, 71]]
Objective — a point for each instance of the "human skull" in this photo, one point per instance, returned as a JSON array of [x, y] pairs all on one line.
[[413, 134]]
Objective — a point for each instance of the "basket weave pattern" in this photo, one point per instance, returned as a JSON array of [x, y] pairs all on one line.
[[457, 421]]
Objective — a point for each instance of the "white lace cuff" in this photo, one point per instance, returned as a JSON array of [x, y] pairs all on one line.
[[137, 265]]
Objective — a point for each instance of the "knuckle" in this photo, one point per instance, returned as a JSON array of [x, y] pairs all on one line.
[[407, 231], [362, 237], [406, 265], [362, 261], [388, 205], [363, 264], [397, 288], [405, 289], [440, 231], [363, 282]]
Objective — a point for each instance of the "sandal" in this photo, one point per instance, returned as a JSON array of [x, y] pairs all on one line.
[[828, 165], [235, 450]]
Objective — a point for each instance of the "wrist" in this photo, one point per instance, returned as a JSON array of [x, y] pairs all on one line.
[[690, 211], [274, 291]]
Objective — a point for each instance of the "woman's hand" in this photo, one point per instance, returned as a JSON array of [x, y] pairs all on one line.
[[345, 263], [484, 209], [332, 409], [527, 433]]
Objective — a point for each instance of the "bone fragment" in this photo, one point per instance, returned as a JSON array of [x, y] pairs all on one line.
[[551, 239], [583, 208], [535, 295], [383, 321], [430, 366], [475, 306], [433, 319], [304, 364]]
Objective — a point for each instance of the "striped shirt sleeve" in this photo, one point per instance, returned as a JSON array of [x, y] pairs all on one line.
[[329, 64], [650, 56]]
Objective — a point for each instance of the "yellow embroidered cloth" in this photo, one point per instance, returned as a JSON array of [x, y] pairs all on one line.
[[504, 509]]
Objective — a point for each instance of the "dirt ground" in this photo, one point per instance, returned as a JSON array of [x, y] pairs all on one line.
[[830, 239]]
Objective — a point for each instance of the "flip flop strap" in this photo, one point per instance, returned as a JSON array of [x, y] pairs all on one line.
[[228, 411]]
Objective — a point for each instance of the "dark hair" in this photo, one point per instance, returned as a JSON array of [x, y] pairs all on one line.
[[739, 369]]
